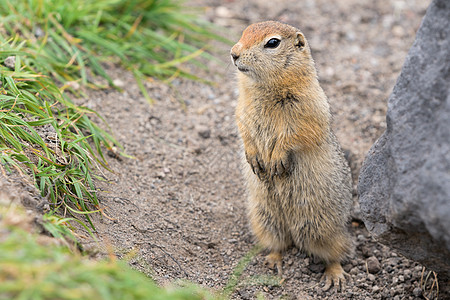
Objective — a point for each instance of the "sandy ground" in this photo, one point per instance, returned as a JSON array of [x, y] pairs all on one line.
[[179, 205]]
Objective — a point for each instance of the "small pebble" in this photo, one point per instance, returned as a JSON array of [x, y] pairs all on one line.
[[118, 82], [206, 134], [316, 268], [371, 277], [417, 292], [73, 85], [347, 267], [10, 62], [375, 288], [204, 131], [398, 31], [373, 265], [223, 12], [366, 251], [407, 273], [38, 32], [393, 261]]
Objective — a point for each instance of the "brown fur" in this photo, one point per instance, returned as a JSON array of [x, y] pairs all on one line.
[[298, 181]]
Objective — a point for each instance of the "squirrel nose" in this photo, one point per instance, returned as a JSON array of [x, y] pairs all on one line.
[[234, 56]]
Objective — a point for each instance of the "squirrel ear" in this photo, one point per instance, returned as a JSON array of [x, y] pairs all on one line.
[[300, 40]]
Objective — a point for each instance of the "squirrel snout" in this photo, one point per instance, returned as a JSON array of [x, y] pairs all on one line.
[[235, 52], [234, 56]]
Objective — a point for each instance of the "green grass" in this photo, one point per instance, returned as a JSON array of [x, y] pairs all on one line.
[[236, 279], [60, 160], [32, 268], [72, 37], [56, 43]]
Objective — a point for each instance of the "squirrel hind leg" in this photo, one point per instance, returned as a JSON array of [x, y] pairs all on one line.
[[274, 239], [331, 249]]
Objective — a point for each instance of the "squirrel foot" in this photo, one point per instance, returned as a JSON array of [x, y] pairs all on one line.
[[274, 259], [334, 276]]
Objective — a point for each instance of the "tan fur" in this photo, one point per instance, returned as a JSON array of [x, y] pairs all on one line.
[[298, 181]]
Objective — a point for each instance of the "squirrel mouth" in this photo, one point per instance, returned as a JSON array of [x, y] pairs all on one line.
[[242, 69]]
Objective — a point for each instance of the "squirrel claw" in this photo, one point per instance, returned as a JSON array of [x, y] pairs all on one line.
[[256, 165], [334, 276], [281, 167], [280, 170]]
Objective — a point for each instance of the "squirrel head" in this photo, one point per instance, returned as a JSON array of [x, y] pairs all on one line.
[[273, 52]]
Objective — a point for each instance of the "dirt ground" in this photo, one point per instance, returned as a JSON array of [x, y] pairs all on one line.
[[180, 204]]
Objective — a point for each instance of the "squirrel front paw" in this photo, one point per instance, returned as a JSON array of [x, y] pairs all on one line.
[[257, 165], [280, 166]]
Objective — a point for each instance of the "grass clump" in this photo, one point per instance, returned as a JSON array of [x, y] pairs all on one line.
[[44, 134], [35, 268], [50, 46], [149, 38]]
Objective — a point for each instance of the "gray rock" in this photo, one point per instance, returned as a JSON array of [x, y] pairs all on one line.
[[404, 184]]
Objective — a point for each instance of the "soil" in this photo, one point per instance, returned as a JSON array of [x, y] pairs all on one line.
[[180, 204]]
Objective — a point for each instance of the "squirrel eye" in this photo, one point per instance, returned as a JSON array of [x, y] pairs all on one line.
[[272, 43]]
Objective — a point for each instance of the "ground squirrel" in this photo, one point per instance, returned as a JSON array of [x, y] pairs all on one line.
[[298, 181]]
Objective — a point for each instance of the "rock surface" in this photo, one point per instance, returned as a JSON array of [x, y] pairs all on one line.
[[404, 184]]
